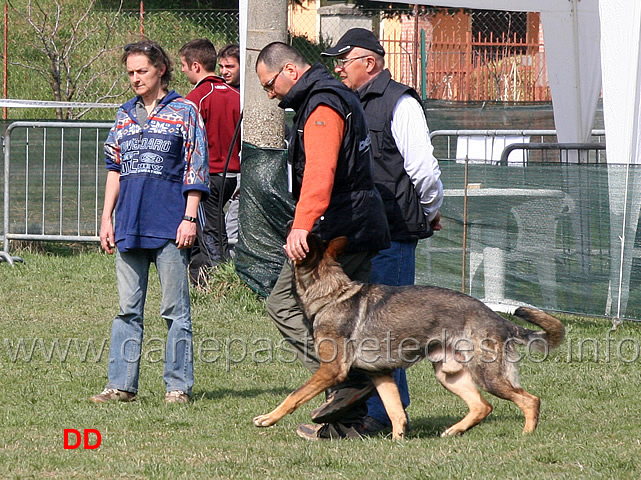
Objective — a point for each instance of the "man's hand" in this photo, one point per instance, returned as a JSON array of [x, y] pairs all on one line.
[[296, 247], [436, 222]]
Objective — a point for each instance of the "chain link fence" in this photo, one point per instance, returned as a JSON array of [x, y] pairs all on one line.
[[460, 55], [85, 67], [469, 55]]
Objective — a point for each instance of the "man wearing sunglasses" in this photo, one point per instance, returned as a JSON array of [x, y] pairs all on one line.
[[406, 172], [332, 184]]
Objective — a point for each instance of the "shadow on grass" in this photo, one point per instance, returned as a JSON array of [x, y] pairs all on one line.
[[430, 427], [57, 249], [247, 393]]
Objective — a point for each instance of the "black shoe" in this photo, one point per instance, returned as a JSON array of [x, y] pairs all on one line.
[[340, 401], [367, 427], [328, 431], [371, 426]]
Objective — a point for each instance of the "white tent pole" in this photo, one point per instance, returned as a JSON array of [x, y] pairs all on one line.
[[622, 238], [243, 6], [621, 69], [577, 65]]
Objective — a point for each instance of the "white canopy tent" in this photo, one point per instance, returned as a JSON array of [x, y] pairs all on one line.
[[571, 35]]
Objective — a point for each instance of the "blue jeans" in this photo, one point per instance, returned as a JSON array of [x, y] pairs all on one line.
[[132, 270], [394, 266]]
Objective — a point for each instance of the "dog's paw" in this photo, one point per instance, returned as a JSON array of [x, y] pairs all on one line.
[[451, 432], [263, 421]]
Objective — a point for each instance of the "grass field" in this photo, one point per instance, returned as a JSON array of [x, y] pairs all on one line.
[[55, 318]]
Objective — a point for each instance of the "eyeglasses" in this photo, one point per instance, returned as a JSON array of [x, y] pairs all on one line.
[[269, 86], [343, 62]]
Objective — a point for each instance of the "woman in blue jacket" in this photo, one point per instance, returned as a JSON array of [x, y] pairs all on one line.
[[156, 157]]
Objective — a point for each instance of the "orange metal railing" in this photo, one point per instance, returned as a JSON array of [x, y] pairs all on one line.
[[468, 68]]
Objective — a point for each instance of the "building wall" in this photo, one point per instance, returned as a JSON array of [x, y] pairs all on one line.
[[302, 19]]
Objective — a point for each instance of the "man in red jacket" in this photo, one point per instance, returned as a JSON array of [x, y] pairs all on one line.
[[229, 64], [219, 105]]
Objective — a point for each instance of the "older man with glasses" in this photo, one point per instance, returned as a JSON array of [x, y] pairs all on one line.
[[331, 179], [406, 172]]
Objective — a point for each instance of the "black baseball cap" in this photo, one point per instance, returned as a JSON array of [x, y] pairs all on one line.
[[355, 37]]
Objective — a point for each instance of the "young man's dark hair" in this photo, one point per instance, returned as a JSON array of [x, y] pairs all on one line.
[[231, 50], [229, 64], [200, 50]]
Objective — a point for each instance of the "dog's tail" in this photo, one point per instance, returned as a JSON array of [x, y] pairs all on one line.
[[553, 328]]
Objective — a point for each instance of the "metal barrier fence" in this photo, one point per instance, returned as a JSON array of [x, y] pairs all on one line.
[[547, 234], [566, 152], [489, 146], [54, 179]]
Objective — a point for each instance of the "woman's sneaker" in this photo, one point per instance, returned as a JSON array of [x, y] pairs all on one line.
[[176, 396], [113, 394]]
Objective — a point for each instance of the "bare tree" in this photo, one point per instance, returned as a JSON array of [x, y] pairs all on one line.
[[74, 46]]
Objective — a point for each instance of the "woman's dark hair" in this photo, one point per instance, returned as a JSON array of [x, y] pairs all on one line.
[[154, 53]]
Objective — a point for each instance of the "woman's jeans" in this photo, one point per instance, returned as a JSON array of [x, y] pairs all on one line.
[[132, 270]]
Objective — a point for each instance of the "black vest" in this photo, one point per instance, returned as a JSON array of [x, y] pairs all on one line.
[[355, 208], [402, 204]]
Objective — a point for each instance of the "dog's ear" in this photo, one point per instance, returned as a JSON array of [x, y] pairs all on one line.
[[315, 243], [336, 247]]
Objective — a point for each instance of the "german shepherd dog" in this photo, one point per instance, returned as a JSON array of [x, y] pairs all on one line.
[[377, 328]]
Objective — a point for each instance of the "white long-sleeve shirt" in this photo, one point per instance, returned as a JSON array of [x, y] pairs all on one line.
[[412, 138]]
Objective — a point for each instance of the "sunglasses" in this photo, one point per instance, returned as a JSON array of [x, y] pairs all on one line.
[[269, 86], [140, 47]]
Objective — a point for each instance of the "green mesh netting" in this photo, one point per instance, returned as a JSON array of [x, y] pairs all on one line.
[[265, 209], [547, 235]]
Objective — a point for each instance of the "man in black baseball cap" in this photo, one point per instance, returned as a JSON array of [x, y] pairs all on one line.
[[406, 173], [355, 37]]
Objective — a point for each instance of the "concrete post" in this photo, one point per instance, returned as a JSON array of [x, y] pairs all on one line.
[[263, 121]]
